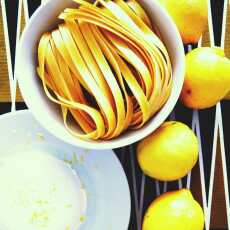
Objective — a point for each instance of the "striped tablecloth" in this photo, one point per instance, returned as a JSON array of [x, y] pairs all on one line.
[[209, 180]]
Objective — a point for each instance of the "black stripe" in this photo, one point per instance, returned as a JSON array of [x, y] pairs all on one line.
[[225, 106], [33, 5], [6, 106], [217, 15], [207, 122], [12, 13]]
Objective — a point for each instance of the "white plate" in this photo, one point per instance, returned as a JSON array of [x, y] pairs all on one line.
[[108, 196]]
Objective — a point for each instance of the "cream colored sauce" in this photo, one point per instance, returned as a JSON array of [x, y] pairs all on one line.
[[38, 191]]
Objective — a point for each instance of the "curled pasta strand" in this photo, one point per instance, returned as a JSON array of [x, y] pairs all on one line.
[[106, 67]]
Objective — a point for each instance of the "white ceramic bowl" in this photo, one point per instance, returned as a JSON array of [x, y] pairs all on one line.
[[48, 114]]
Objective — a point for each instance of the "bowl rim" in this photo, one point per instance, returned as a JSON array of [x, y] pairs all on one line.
[[162, 115]]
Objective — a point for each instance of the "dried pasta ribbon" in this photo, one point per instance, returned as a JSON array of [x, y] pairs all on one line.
[[106, 67], [65, 103], [139, 11]]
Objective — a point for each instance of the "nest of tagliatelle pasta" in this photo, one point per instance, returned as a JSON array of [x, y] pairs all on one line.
[[106, 67]]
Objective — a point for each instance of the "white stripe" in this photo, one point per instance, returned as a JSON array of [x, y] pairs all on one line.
[[223, 157], [220, 122], [180, 185], [201, 165], [14, 90], [26, 14], [7, 46], [189, 177], [200, 42], [210, 24], [165, 187], [142, 194], [26, 10], [207, 206], [213, 165], [224, 22], [157, 184], [189, 47], [138, 217]]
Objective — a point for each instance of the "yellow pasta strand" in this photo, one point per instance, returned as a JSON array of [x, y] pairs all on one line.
[[106, 67]]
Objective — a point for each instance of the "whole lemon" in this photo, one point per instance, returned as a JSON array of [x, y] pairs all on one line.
[[174, 211], [169, 153], [190, 16], [207, 79]]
